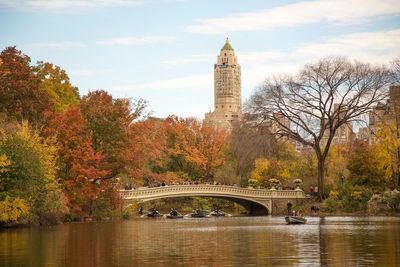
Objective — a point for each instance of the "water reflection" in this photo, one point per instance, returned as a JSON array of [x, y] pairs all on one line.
[[252, 241]]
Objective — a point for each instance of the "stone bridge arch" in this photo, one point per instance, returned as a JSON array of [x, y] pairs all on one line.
[[255, 201]]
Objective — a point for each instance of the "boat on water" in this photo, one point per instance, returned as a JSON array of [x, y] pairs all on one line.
[[154, 213], [169, 216], [173, 214], [217, 213], [295, 220], [199, 213]]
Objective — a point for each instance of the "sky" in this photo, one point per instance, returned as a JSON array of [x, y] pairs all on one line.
[[164, 51]]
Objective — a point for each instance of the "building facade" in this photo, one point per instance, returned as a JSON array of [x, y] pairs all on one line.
[[227, 90], [383, 115]]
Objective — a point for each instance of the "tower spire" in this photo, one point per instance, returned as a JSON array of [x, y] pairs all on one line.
[[227, 45]]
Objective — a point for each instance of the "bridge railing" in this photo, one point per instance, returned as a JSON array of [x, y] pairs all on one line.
[[210, 189]]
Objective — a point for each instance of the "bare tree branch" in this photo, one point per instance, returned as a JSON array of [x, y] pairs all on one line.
[[324, 96]]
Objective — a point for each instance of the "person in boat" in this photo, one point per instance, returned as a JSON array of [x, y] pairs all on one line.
[[141, 210], [173, 212], [154, 211], [289, 207], [199, 211]]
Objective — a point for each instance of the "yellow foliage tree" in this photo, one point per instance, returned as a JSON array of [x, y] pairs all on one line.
[[12, 210], [4, 163], [266, 169], [336, 164], [386, 147]]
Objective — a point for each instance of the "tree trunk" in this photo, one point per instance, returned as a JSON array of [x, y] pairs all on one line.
[[321, 176]]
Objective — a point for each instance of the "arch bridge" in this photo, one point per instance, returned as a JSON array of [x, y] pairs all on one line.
[[255, 201]]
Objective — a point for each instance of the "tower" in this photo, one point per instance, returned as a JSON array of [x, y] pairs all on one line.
[[227, 90]]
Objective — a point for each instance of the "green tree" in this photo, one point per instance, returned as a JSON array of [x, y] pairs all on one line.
[[31, 174]]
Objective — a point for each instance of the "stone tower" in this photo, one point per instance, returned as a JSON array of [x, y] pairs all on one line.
[[227, 90]]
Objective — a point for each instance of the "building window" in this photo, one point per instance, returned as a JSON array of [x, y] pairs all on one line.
[[222, 106]]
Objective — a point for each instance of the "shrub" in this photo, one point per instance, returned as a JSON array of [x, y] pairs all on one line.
[[331, 205], [334, 195], [391, 199], [12, 210]]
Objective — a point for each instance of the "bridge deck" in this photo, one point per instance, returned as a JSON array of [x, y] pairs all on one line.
[[209, 190]]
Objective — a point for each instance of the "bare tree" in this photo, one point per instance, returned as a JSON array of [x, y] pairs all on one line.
[[311, 106], [248, 144]]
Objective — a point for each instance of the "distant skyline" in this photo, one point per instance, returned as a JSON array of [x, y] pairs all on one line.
[[164, 50]]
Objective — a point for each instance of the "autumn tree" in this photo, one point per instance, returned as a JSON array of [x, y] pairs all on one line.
[[21, 95], [196, 144], [146, 153], [363, 167], [30, 174], [311, 106], [248, 143], [56, 83], [108, 121], [81, 169], [386, 149]]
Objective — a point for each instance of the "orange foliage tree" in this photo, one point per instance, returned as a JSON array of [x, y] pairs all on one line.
[[198, 144], [80, 168]]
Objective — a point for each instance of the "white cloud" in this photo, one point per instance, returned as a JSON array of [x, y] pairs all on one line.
[[60, 45], [189, 59], [373, 47], [67, 5], [336, 11], [200, 81], [252, 57], [146, 40]]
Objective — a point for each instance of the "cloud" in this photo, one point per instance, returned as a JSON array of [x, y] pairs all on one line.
[[373, 47], [67, 5], [189, 59], [252, 57], [146, 40], [200, 81], [60, 45], [335, 11]]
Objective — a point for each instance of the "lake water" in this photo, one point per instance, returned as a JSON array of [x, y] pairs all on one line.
[[232, 241]]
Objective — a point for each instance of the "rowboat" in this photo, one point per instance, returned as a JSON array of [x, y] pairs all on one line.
[[295, 220], [169, 216]]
